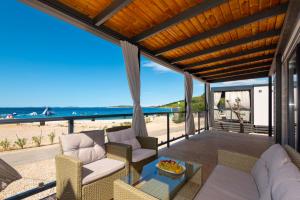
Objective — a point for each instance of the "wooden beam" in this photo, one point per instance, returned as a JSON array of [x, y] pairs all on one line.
[[238, 71], [241, 77], [234, 55], [276, 10], [233, 69], [108, 12], [233, 43], [189, 13], [238, 75], [230, 64]]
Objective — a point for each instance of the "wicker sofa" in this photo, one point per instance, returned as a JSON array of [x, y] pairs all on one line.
[[87, 168], [142, 150], [275, 175]]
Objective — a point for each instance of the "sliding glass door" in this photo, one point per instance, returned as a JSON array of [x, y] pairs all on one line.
[[293, 105]]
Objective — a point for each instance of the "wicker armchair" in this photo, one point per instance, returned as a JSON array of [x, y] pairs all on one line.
[[148, 147], [82, 172]]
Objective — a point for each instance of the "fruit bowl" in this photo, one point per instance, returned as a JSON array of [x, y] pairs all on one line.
[[170, 166]]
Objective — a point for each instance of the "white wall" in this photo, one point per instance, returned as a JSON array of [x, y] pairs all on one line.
[[261, 106]]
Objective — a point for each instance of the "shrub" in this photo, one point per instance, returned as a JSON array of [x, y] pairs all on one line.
[[5, 144], [37, 140], [125, 124], [147, 120], [51, 137], [21, 142]]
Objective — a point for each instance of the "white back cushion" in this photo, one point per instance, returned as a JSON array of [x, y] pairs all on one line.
[[87, 147], [125, 136], [261, 176], [275, 157], [286, 182]]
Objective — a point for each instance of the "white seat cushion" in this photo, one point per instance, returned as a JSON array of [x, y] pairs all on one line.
[[100, 168], [86, 147], [226, 183], [125, 136], [261, 176], [141, 154]]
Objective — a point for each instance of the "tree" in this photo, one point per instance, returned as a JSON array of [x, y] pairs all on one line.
[[236, 109]]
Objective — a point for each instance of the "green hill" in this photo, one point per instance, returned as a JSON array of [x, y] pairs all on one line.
[[197, 104]]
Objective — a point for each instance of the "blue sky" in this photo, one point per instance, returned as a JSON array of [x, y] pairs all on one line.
[[46, 61]]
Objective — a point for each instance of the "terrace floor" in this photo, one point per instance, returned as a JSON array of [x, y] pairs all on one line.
[[202, 148]]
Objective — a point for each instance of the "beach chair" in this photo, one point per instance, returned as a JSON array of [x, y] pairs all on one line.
[[7, 174], [87, 167]]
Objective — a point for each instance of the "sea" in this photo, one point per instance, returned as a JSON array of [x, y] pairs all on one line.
[[37, 112]]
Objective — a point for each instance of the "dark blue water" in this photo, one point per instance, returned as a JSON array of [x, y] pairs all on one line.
[[22, 113]]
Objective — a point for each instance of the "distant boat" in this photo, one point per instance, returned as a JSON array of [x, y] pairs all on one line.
[[14, 113], [33, 114], [9, 116], [48, 112]]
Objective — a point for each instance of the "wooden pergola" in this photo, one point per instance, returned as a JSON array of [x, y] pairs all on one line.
[[215, 40]]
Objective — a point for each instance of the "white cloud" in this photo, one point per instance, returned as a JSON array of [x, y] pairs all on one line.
[[155, 66], [242, 82]]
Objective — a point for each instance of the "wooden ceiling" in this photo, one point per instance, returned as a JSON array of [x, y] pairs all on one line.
[[215, 40]]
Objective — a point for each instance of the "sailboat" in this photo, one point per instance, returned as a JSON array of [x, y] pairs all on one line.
[[48, 112]]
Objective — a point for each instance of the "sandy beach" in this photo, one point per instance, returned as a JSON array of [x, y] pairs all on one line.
[[31, 160]]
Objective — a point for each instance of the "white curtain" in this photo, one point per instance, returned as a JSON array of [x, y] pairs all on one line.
[[244, 96], [217, 97], [190, 124], [208, 103], [131, 57]]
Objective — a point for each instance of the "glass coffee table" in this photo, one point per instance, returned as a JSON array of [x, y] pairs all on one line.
[[158, 184]]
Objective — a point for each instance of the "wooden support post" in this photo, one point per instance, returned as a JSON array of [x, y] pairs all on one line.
[[168, 130], [70, 126], [185, 107], [270, 106], [298, 97], [199, 122], [278, 93], [205, 108]]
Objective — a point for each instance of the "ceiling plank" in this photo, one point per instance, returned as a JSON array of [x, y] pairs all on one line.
[[241, 77], [187, 14], [230, 56], [276, 10], [234, 43], [238, 72], [234, 69], [108, 12], [231, 64]]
